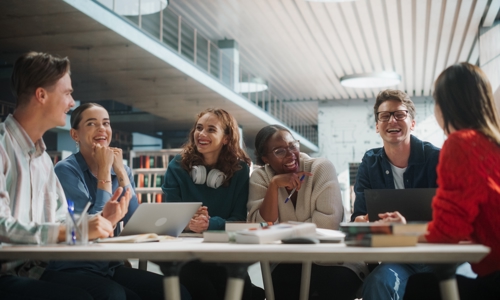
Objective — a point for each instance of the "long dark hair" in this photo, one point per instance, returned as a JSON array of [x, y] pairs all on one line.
[[261, 140], [231, 154], [464, 95]]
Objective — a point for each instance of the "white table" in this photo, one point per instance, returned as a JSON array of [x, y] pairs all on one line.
[[191, 249]]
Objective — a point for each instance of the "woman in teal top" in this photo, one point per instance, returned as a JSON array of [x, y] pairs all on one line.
[[225, 203], [214, 170]]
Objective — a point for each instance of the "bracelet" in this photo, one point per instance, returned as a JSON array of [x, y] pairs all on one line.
[[103, 181]]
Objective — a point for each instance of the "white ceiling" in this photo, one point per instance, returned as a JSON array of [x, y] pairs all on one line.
[[303, 48]]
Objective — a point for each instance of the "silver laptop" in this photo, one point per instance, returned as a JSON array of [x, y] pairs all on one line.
[[413, 204], [161, 218]]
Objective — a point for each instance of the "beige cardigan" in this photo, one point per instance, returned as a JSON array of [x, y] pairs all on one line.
[[318, 200]]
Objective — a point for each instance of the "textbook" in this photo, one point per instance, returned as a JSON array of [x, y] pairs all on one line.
[[137, 238], [381, 240], [228, 235], [216, 236], [275, 233], [383, 228], [235, 226]]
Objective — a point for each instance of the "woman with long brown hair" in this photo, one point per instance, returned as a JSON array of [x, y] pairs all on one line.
[[467, 203], [212, 169]]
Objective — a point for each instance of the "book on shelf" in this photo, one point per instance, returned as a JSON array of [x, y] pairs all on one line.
[[147, 180], [270, 234], [139, 180], [150, 197], [159, 198], [136, 162], [137, 238], [380, 240], [150, 161], [157, 181], [416, 228]]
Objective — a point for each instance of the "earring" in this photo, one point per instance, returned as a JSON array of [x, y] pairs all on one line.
[[77, 146]]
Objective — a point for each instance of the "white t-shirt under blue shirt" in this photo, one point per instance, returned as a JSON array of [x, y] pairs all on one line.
[[398, 176]]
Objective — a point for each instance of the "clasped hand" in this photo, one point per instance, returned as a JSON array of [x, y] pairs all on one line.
[[200, 221], [392, 217]]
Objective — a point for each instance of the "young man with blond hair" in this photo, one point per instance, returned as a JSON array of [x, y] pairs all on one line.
[[32, 202]]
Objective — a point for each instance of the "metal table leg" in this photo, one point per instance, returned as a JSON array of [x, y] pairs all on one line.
[[447, 281], [171, 285], [236, 274], [268, 282], [305, 280]]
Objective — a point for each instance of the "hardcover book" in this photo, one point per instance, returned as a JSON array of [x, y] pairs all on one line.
[[383, 228], [381, 240]]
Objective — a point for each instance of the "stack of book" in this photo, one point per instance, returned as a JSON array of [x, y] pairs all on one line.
[[382, 234]]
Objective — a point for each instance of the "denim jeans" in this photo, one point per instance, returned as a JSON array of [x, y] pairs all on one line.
[[388, 281]]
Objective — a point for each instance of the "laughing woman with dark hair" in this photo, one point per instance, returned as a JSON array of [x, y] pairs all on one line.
[[316, 200]]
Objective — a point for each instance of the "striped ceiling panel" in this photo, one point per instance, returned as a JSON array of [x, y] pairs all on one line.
[[303, 48]]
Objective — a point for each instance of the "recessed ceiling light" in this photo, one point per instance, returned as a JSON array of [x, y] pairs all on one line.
[[131, 7], [371, 80]]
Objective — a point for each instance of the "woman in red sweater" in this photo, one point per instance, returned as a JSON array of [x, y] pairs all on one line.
[[467, 203]]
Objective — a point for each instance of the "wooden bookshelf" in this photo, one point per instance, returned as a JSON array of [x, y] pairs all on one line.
[[148, 169]]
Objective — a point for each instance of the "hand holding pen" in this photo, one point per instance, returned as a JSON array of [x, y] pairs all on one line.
[[297, 187]]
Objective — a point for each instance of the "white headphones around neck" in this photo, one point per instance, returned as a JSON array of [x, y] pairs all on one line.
[[214, 179]]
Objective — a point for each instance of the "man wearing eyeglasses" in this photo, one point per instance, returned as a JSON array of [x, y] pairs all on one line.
[[403, 162]]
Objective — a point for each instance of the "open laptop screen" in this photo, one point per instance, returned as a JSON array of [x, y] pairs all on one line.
[[413, 204], [161, 218]]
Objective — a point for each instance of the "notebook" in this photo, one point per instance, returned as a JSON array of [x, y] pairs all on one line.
[[413, 204], [161, 218]]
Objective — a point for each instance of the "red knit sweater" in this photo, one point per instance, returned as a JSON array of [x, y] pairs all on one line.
[[467, 203]]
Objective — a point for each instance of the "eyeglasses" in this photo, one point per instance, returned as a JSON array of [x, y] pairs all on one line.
[[281, 152], [385, 116]]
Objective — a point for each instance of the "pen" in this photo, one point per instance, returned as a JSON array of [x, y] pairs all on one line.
[[71, 210], [85, 209], [293, 191]]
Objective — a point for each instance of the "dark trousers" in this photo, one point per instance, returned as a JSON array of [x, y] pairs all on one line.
[[426, 286], [207, 281], [327, 282], [15, 288], [127, 283]]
